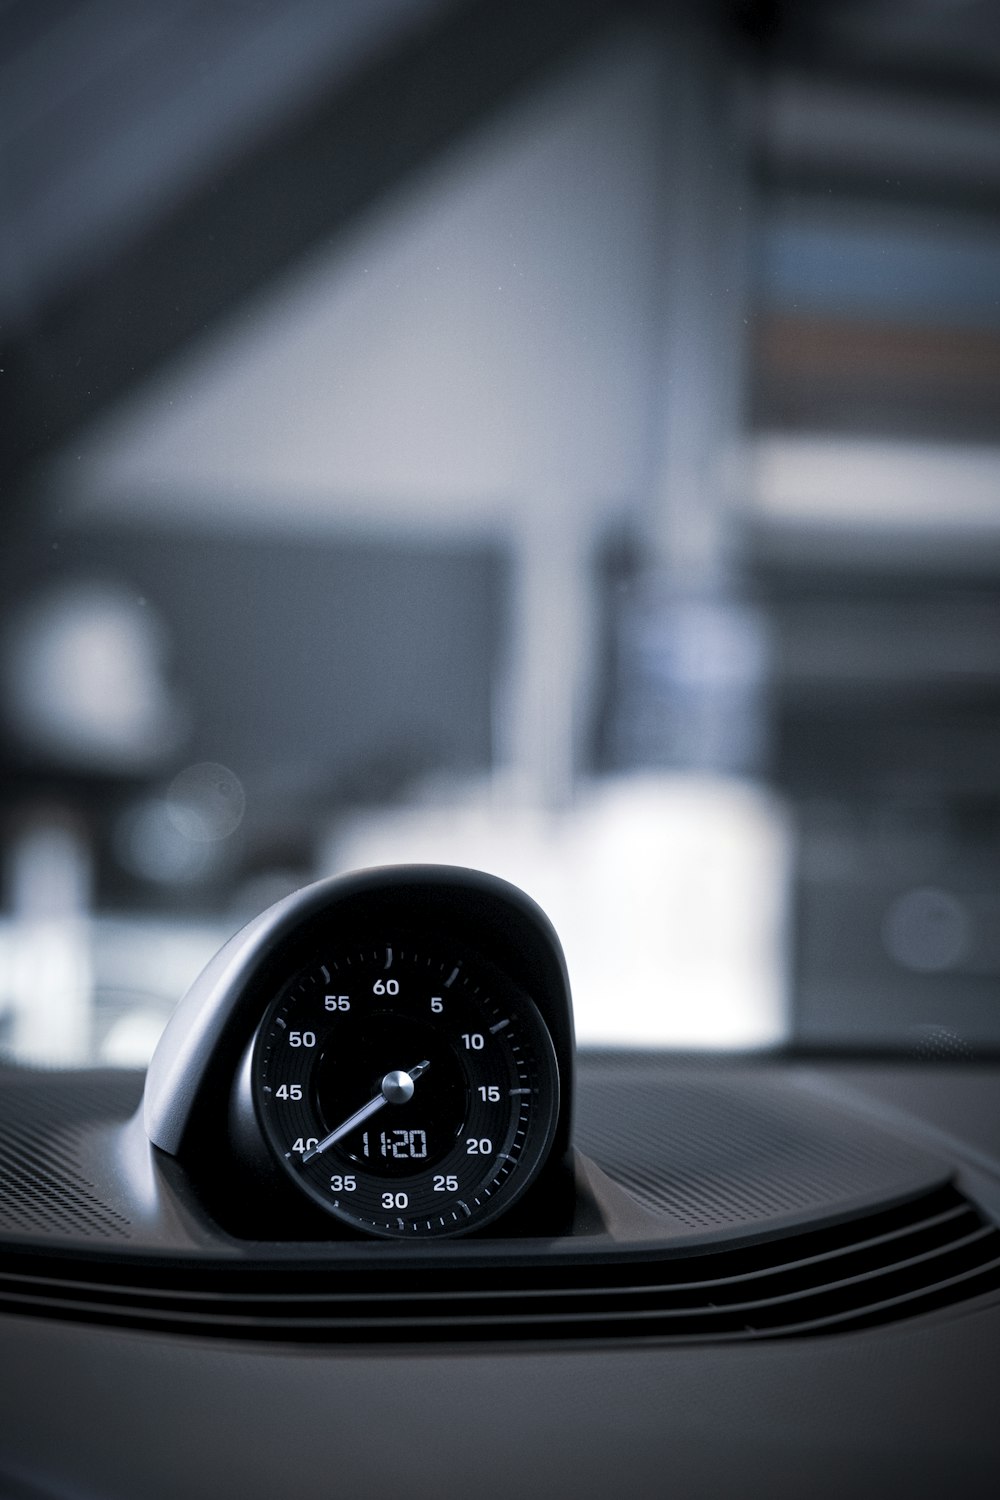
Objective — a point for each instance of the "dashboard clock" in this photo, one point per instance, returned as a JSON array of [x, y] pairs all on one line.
[[396, 1052], [406, 1084]]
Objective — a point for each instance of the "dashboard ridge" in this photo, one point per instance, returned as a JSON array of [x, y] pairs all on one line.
[[925, 1255]]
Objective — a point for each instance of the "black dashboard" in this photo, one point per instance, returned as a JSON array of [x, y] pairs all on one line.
[[762, 1276]]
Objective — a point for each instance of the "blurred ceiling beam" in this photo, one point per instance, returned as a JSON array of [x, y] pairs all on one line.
[[844, 132], [300, 186]]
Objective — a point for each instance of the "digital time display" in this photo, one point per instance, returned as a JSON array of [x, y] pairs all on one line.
[[400, 1145]]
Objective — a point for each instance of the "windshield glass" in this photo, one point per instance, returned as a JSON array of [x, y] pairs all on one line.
[[559, 444]]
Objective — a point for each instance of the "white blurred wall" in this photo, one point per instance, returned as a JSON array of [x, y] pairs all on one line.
[[486, 337]]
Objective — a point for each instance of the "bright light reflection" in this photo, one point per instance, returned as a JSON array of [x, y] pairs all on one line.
[[668, 893]]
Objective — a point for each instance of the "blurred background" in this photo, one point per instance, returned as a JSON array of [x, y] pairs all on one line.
[[558, 437]]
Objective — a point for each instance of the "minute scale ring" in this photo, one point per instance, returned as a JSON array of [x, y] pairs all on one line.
[[454, 1146]]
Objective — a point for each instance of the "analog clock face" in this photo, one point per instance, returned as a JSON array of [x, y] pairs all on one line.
[[406, 1085]]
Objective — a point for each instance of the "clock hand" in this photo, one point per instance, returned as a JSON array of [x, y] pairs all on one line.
[[397, 1088]]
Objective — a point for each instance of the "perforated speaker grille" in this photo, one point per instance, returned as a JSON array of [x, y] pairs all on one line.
[[774, 1211], [701, 1150], [710, 1154], [44, 1187]]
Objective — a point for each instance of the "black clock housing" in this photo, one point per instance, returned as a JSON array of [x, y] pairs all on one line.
[[500, 1070]]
